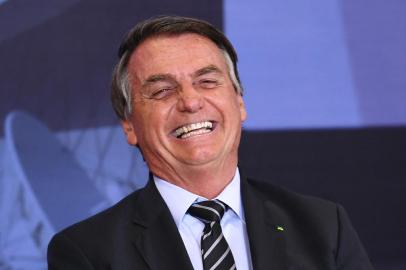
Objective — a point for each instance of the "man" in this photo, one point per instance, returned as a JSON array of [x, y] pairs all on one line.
[[177, 92]]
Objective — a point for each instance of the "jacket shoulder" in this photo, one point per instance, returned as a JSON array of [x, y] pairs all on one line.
[[314, 227], [286, 198], [92, 243], [117, 215]]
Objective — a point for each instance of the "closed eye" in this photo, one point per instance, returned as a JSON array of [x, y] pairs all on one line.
[[162, 93], [208, 83]]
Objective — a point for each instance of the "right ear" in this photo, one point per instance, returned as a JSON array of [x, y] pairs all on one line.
[[129, 132]]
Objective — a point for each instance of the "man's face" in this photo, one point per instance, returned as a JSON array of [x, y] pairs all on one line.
[[186, 111]]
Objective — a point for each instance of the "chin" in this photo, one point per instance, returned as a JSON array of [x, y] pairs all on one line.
[[200, 158]]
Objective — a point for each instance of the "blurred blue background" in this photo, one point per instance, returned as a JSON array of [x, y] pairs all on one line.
[[325, 89]]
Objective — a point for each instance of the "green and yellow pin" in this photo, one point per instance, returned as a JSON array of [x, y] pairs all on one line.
[[280, 228]]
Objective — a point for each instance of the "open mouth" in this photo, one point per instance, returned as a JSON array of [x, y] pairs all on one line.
[[194, 129]]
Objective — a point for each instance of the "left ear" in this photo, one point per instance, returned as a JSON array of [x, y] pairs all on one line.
[[129, 132], [243, 111]]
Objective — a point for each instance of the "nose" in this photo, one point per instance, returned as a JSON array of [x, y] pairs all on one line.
[[190, 100]]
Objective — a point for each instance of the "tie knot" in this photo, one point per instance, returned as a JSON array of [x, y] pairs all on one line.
[[208, 211]]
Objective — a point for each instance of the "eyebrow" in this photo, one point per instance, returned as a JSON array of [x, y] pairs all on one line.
[[168, 77], [207, 70], [157, 78]]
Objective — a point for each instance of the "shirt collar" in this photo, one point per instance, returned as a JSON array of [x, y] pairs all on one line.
[[179, 200], [231, 195]]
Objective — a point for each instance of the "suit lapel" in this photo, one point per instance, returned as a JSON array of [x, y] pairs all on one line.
[[267, 242], [156, 236]]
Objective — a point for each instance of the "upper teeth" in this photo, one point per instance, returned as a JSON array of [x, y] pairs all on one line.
[[188, 128]]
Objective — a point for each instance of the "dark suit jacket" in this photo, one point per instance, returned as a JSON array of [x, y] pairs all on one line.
[[139, 233]]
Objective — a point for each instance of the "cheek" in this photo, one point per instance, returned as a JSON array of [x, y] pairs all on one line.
[[236, 106], [140, 122], [152, 120]]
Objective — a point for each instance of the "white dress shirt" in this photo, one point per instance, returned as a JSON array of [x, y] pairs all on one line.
[[190, 228]]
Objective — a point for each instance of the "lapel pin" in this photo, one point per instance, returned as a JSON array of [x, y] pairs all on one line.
[[280, 228]]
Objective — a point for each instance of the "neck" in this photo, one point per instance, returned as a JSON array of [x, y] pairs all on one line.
[[207, 181]]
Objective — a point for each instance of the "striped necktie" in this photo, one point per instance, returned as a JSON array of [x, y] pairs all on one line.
[[216, 253]]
